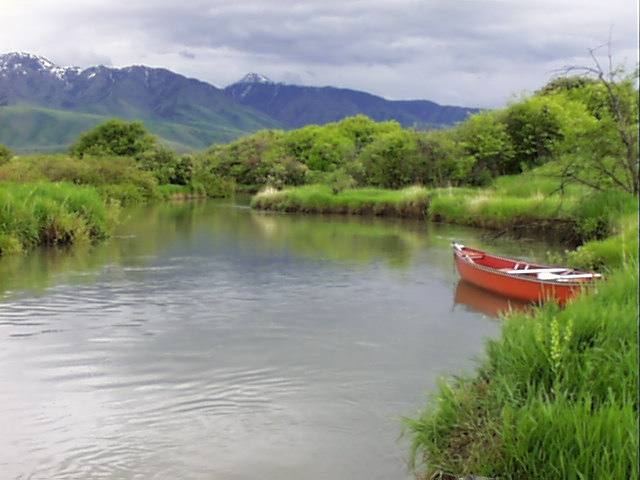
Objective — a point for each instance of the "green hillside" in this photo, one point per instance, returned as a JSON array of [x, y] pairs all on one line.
[[28, 130]]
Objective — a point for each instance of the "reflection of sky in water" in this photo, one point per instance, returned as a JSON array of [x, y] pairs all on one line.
[[208, 345]]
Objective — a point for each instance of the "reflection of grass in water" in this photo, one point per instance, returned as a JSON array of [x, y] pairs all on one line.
[[144, 231], [43, 267], [346, 239]]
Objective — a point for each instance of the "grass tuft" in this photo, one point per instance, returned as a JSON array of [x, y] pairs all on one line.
[[51, 214]]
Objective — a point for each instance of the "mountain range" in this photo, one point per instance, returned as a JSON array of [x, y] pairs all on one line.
[[45, 107]]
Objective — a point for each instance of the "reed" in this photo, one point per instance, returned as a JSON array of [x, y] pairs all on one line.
[[534, 183], [493, 210], [118, 178], [51, 213], [408, 202]]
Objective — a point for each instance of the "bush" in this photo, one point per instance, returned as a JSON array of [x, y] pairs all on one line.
[[114, 138], [47, 213], [96, 171], [5, 154]]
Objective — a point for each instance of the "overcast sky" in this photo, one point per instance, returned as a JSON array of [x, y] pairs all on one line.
[[479, 53]]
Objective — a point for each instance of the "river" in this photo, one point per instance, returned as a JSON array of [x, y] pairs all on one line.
[[209, 341]]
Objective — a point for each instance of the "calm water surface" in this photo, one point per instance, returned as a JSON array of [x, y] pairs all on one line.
[[207, 341]]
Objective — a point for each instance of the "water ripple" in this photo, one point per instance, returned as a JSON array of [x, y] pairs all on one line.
[[221, 357]]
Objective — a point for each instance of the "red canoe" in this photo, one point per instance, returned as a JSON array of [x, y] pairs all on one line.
[[518, 278]]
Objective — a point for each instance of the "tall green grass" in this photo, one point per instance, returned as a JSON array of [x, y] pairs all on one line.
[[117, 178], [489, 209], [534, 183], [51, 213], [556, 397], [408, 202]]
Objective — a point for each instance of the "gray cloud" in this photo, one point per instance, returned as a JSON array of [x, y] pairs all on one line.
[[470, 52]]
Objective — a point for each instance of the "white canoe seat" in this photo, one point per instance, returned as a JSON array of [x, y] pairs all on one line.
[[567, 277], [538, 270]]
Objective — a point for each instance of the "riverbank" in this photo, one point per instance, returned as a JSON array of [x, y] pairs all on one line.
[[555, 397], [409, 202], [515, 205]]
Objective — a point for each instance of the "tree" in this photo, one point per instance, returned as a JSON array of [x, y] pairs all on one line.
[[395, 160], [609, 150], [165, 165], [114, 137], [484, 137], [535, 131], [5, 154]]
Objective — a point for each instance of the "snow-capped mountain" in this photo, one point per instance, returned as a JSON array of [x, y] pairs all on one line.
[[34, 94], [129, 92], [19, 63], [186, 110]]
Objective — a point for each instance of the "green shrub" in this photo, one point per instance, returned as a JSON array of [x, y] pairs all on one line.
[[597, 212], [52, 213], [114, 137], [5, 154]]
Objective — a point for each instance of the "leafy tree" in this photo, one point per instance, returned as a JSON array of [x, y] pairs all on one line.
[[329, 150], [166, 165], [535, 131], [484, 137], [565, 84], [114, 137], [183, 170], [262, 158], [604, 154], [5, 154], [362, 131], [448, 164], [298, 143], [393, 160]]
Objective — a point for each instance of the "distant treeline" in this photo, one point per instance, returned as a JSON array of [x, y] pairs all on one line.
[[588, 126]]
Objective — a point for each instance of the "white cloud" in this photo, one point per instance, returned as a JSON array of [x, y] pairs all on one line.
[[467, 52]]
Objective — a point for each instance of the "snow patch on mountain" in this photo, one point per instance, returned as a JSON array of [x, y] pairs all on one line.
[[255, 78], [23, 63]]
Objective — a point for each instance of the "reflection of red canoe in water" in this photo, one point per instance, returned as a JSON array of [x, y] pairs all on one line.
[[520, 279], [485, 301]]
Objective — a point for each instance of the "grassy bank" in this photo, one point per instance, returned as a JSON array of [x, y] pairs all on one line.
[[517, 205], [63, 200], [408, 202], [115, 178], [556, 397], [51, 214]]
